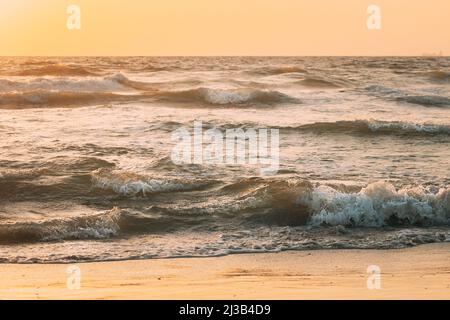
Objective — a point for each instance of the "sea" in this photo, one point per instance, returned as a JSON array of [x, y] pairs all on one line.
[[87, 170]]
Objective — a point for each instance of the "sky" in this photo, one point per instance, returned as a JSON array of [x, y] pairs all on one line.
[[224, 27]]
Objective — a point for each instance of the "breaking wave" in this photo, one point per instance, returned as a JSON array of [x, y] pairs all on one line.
[[44, 98], [375, 127], [53, 98], [114, 83], [296, 202], [137, 85], [360, 127], [377, 205], [99, 226], [226, 97], [116, 88], [253, 202], [132, 184]]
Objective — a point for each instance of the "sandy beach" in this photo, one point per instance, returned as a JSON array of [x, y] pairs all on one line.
[[421, 272]]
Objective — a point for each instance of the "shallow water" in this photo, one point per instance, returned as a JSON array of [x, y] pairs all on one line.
[[86, 173]]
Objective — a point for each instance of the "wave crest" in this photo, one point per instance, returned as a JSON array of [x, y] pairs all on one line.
[[99, 226], [226, 97], [251, 201], [359, 126], [132, 184], [295, 201], [377, 205], [375, 127], [124, 81], [45, 98], [113, 83]]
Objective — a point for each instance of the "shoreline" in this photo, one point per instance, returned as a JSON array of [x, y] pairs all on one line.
[[420, 272]]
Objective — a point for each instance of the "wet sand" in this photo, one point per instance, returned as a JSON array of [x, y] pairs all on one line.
[[421, 272]]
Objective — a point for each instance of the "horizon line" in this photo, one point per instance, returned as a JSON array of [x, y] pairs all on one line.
[[225, 56]]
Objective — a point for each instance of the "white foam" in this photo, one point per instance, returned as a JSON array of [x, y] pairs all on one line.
[[376, 204], [131, 185], [375, 125], [226, 97], [71, 84]]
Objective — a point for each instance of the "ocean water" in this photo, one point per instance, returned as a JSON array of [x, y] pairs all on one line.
[[86, 172]]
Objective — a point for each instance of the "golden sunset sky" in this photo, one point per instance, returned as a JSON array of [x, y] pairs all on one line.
[[224, 27]]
